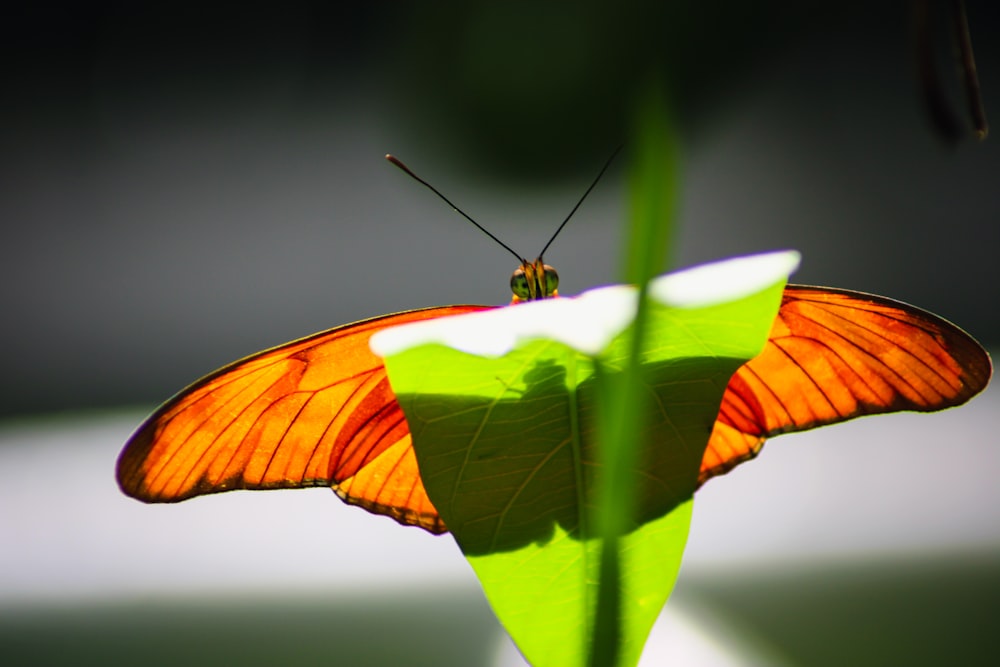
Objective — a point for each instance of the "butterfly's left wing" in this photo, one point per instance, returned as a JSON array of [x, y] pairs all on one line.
[[314, 412], [835, 354]]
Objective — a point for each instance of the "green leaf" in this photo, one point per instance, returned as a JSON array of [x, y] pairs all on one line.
[[503, 430]]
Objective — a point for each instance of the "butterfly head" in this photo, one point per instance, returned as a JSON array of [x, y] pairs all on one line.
[[534, 280]]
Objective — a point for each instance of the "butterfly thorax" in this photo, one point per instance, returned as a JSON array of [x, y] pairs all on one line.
[[534, 280]]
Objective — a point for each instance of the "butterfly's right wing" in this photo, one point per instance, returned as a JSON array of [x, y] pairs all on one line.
[[318, 411]]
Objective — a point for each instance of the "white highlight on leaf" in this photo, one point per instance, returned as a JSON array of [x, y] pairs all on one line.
[[589, 322], [725, 280]]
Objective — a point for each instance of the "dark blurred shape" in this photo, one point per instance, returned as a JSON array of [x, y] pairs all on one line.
[[538, 88], [944, 119], [897, 611], [357, 630]]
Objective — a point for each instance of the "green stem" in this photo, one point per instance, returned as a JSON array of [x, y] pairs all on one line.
[[622, 399]]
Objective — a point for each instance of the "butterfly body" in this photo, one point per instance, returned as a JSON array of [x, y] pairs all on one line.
[[319, 411]]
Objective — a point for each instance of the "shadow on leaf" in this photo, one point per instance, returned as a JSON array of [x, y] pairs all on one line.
[[504, 471]]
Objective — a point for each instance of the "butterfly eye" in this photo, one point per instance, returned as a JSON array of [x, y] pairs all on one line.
[[519, 285], [551, 281]]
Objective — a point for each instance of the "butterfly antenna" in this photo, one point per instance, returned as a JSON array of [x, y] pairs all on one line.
[[399, 163], [560, 228]]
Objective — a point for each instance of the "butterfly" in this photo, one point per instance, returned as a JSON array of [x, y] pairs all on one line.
[[319, 411]]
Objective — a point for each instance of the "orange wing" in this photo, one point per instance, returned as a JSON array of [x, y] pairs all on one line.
[[835, 354], [314, 412]]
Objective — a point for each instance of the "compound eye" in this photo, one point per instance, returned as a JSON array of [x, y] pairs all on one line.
[[551, 280], [519, 285]]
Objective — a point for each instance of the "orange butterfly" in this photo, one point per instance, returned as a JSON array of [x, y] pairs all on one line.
[[319, 411]]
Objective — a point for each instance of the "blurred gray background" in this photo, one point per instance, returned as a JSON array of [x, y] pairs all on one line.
[[184, 185]]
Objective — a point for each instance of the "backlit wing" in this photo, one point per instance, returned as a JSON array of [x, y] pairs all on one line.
[[833, 355], [314, 412]]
